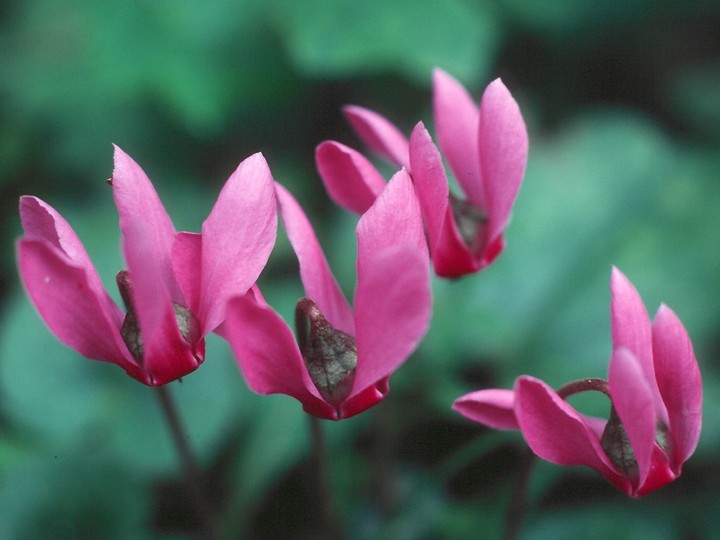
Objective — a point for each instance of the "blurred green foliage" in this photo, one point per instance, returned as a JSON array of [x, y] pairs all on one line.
[[622, 100]]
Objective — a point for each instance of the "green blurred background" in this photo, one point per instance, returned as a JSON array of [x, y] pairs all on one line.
[[622, 103]]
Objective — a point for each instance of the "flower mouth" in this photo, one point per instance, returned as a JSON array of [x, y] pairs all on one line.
[[330, 355], [470, 221], [130, 330]]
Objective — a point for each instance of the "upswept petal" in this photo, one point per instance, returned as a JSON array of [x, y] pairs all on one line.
[[679, 382], [268, 355], [186, 257], [351, 181], [237, 238], [431, 184], [81, 317], [166, 354], [493, 407], [457, 121], [503, 147], [631, 329], [42, 221], [392, 312], [392, 300], [378, 134], [632, 398], [555, 431], [319, 282], [138, 205], [394, 220]]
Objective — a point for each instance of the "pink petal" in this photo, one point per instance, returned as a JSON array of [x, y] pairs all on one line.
[[319, 282], [361, 402], [632, 398], [493, 408], [392, 300], [456, 121], [140, 207], [503, 144], [431, 184], [378, 134], [268, 355], [237, 238], [351, 181], [81, 317], [631, 329], [679, 381], [450, 254], [186, 257], [555, 431], [166, 354], [41, 221]]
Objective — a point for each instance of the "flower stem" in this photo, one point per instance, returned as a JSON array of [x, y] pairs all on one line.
[[330, 525], [191, 470], [583, 385], [517, 505]]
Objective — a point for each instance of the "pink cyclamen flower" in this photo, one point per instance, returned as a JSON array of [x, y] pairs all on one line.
[[655, 390], [486, 149], [176, 285], [340, 364]]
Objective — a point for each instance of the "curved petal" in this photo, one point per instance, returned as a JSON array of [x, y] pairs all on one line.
[[679, 381], [41, 221], [431, 184], [632, 399], [361, 402], [556, 432], [166, 354], [237, 238], [457, 120], [493, 407], [503, 144], [392, 300], [140, 207], [631, 329], [378, 134], [351, 181], [319, 282], [268, 355], [186, 257], [74, 310]]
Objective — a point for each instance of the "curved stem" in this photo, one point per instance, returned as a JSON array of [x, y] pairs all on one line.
[[189, 464], [583, 385]]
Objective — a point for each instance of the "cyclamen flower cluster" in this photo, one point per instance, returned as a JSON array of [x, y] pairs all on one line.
[[179, 287]]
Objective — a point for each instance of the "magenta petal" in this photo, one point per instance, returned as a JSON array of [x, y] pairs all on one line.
[[268, 355], [457, 121], [140, 208], [237, 238], [81, 317], [493, 408], [394, 220], [431, 184], [632, 398], [166, 354], [392, 300], [503, 144], [378, 134], [350, 179], [678, 378], [186, 257], [631, 329], [319, 282], [42, 222], [554, 430]]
